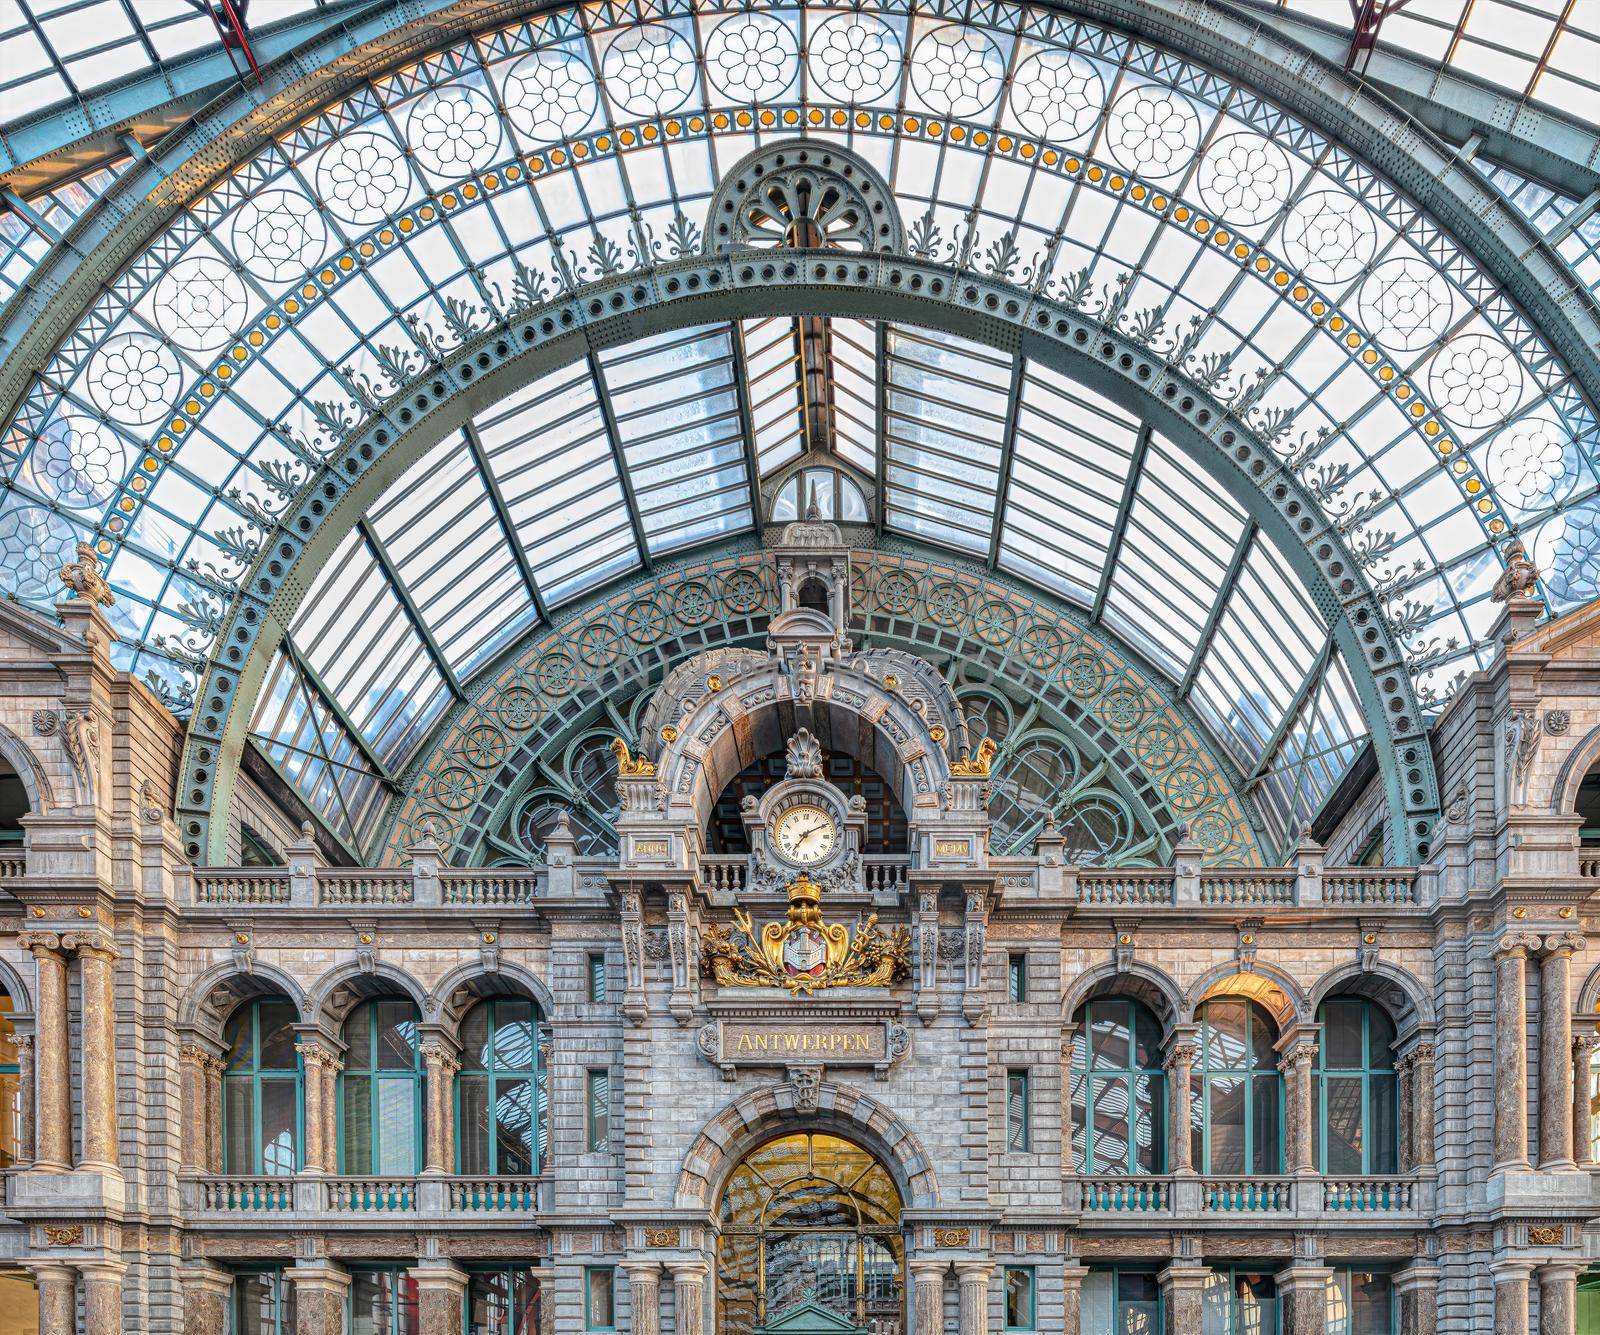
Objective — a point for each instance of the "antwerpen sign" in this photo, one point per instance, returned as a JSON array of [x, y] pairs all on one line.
[[804, 1042]]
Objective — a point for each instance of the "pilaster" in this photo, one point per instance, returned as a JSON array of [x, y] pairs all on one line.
[[206, 1289], [440, 1286]]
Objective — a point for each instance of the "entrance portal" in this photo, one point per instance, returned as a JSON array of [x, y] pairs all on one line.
[[811, 1242]]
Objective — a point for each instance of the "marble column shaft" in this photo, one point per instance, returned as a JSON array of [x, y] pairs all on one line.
[[1418, 1287], [973, 1277], [1303, 1294], [1181, 1290], [1510, 1052], [206, 1289], [194, 1152], [1422, 1107], [1072, 1276], [1558, 1300], [58, 1299], [1555, 1051], [1296, 1064], [439, 1291], [102, 1298], [315, 1151], [24, 1046], [1179, 1063], [1511, 1298], [1583, 1047], [927, 1279], [319, 1298], [53, 1063], [211, 1069], [441, 1067], [97, 975], [689, 1297], [644, 1287]]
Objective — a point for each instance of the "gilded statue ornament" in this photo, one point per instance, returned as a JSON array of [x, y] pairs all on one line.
[[630, 766], [975, 767], [803, 953]]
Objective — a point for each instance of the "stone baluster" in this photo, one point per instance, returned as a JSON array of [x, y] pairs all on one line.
[[1511, 1297], [1179, 1065], [644, 1286], [1510, 1054], [52, 1101], [97, 957], [689, 1296], [1418, 1289], [319, 1297], [441, 1066], [102, 1297], [973, 1277], [1583, 1048], [1555, 1051], [1297, 1063], [206, 1289], [1558, 1299], [927, 1280], [58, 1298], [25, 1123], [440, 1288], [1303, 1299]]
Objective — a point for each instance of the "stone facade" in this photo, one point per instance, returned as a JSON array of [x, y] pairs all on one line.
[[124, 963]]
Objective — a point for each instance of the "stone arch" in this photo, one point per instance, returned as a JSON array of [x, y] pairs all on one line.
[[35, 778], [1399, 992], [1145, 983], [14, 986], [1270, 987], [1574, 769], [1588, 1003], [345, 986], [770, 1111], [454, 995], [213, 997]]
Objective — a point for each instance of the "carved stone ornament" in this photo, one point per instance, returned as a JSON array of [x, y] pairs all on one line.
[[45, 722], [63, 1235], [804, 756], [1553, 1235], [655, 945], [83, 579], [80, 738], [806, 1081], [952, 1237], [803, 953], [658, 1238], [1523, 730], [1557, 721], [1520, 578]]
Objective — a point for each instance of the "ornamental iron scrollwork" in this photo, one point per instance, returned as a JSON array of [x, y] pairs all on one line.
[[806, 194]]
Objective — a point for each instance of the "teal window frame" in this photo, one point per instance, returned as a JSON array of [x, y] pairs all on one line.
[[536, 1077], [1374, 1077], [10, 1085], [1019, 1128], [1159, 1306], [597, 978], [1086, 1077], [1206, 1074], [509, 1273], [1266, 1318], [372, 1072], [1028, 1273], [283, 1317], [597, 1111], [399, 1277], [254, 1075], [1017, 977], [1343, 1277], [589, 1275]]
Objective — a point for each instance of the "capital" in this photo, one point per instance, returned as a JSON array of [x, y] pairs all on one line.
[[1301, 1053], [436, 1054], [1559, 944], [40, 943], [1180, 1053], [1515, 945]]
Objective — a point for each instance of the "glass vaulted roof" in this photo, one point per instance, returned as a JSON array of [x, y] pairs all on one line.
[[210, 379]]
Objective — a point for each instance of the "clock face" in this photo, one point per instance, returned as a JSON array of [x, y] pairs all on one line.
[[805, 834]]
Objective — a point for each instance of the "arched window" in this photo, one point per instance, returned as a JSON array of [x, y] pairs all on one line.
[[1236, 1093], [1118, 1089], [1357, 1106], [500, 1091], [380, 1091], [262, 1108]]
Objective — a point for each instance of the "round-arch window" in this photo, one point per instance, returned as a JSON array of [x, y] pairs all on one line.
[[1357, 1099], [1118, 1089], [1236, 1092]]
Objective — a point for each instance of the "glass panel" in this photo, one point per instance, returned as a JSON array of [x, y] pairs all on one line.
[[1341, 1035], [277, 1021], [10, 1118], [1227, 1126], [397, 1034], [1080, 1123], [357, 1117], [396, 1150], [238, 1112], [1150, 1124], [280, 1129], [358, 1039], [1110, 1125], [514, 1035], [475, 1052], [1225, 1035], [503, 1302], [602, 1311], [240, 1036], [472, 1123], [1384, 1148], [1110, 1038], [263, 1304], [513, 1119], [1380, 1039], [1267, 1155], [1019, 1299], [1017, 1110], [599, 1111], [1344, 1119]]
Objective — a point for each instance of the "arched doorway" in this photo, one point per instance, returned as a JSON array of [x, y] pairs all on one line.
[[811, 1241]]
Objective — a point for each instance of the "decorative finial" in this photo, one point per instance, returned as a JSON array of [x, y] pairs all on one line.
[[83, 579], [813, 510], [1520, 578]]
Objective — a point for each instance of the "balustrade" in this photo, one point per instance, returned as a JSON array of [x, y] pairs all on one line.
[[1126, 886], [1369, 885], [377, 886], [232, 886], [1247, 888], [1247, 1195], [490, 886], [1124, 1195], [1371, 1195], [235, 1199]]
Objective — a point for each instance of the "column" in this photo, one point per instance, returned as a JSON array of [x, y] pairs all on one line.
[[1558, 1299], [319, 1289], [1072, 1276], [1422, 1108], [440, 1286], [1510, 1053], [326, 1070], [195, 1152], [206, 1289], [1303, 1291], [24, 1046], [973, 1277], [1297, 1062], [644, 1287], [58, 1299], [1181, 1287], [1583, 1047], [102, 1297], [441, 1066], [52, 1102], [1555, 1051], [1511, 1296], [1418, 1287], [97, 975], [211, 1069], [927, 1282], [1179, 1063], [315, 1151], [689, 1296]]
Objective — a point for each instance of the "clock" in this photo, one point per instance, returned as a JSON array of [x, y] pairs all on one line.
[[805, 834]]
